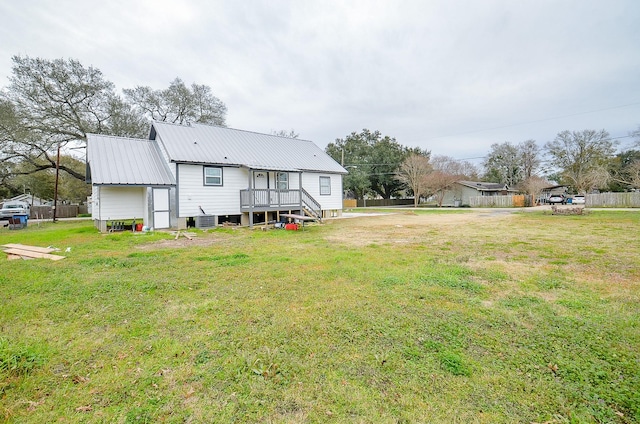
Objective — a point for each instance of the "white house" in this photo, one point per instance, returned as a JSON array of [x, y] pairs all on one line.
[[460, 192], [205, 175]]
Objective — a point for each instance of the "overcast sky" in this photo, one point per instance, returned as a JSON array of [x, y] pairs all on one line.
[[450, 76]]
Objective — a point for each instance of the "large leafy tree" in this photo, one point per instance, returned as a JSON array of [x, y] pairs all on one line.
[[25, 150], [503, 164], [511, 164], [41, 183], [372, 161], [61, 100], [178, 104], [386, 157], [352, 152], [53, 104], [582, 157], [625, 171]]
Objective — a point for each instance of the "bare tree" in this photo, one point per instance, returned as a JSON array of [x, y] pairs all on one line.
[[529, 152], [583, 157], [534, 185], [413, 172], [446, 172]]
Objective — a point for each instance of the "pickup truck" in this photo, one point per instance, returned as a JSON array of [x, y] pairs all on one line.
[[14, 207]]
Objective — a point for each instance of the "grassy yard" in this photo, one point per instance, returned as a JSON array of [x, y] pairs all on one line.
[[409, 318]]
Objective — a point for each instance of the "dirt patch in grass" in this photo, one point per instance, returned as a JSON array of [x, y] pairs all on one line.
[[201, 239], [407, 228], [394, 228]]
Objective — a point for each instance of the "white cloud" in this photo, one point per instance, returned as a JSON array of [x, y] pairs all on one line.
[[450, 76]]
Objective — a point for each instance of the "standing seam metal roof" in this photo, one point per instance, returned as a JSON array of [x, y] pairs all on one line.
[[126, 161], [209, 144], [483, 186]]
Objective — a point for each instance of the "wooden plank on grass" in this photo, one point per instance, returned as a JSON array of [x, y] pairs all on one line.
[[30, 248], [31, 254], [300, 217]]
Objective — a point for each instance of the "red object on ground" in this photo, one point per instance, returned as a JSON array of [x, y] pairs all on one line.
[[138, 227], [293, 227]]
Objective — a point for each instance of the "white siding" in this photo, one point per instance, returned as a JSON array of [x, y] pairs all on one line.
[[311, 183], [294, 181], [225, 199], [214, 200], [117, 202], [95, 202]]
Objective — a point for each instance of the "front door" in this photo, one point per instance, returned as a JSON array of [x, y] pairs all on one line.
[[260, 185], [161, 208]]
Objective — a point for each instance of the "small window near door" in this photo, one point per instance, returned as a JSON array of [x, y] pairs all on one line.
[[282, 180], [325, 186], [212, 176]]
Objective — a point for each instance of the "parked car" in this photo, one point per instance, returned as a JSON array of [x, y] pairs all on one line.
[[554, 199], [14, 207], [578, 200]]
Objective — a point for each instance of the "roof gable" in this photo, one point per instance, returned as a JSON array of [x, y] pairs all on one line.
[[209, 144]]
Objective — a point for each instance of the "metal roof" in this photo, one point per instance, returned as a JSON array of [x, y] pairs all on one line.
[[209, 144], [126, 161], [484, 186]]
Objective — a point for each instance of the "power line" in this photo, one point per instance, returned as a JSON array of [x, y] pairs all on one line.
[[535, 121]]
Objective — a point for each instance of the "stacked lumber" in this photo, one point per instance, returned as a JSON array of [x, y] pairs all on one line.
[[22, 251]]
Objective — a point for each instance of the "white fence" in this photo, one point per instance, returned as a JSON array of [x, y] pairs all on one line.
[[613, 200]]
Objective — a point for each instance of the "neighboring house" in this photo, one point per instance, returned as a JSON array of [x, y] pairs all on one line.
[[30, 199], [461, 191], [551, 190], [204, 175]]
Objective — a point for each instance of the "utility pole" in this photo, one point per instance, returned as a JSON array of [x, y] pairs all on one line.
[[55, 191]]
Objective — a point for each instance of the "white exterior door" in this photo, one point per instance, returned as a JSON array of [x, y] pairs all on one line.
[[260, 184], [260, 179], [161, 208]]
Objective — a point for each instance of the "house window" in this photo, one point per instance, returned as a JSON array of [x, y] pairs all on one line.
[[325, 185], [212, 176], [282, 181]]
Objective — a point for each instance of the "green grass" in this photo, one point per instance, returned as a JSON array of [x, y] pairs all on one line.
[[531, 319]]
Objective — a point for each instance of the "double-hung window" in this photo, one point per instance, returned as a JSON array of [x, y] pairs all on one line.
[[325, 186], [212, 176], [282, 180]]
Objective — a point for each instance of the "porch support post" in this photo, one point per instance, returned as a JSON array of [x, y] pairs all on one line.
[[300, 191], [251, 198]]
